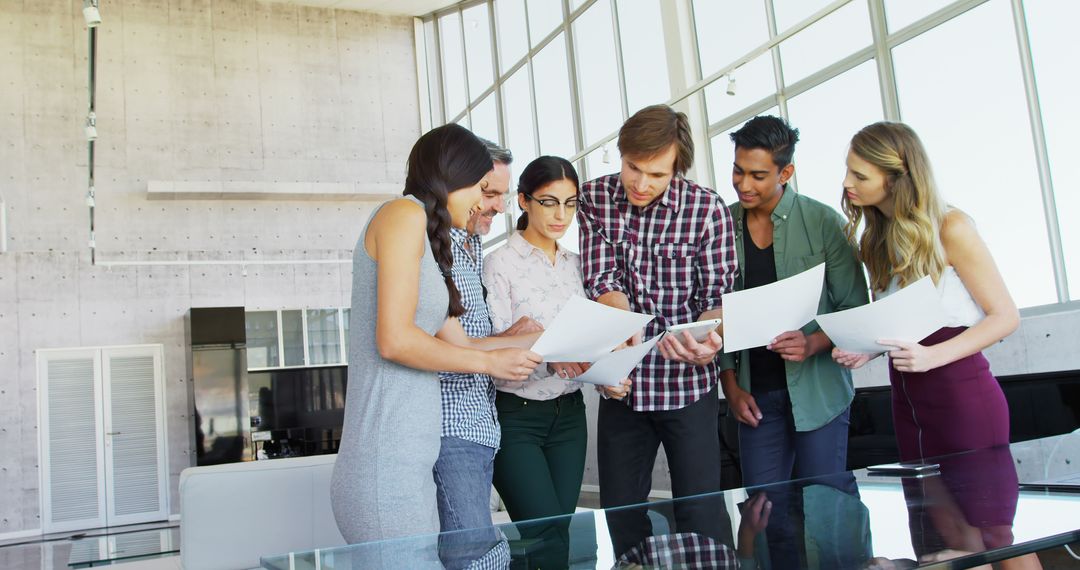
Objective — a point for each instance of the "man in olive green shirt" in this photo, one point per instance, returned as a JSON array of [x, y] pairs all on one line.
[[791, 399]]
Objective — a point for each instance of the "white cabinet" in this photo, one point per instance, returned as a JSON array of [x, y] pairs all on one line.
[[102, 437]]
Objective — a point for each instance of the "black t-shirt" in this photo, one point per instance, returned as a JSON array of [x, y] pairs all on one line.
[[766, 367]]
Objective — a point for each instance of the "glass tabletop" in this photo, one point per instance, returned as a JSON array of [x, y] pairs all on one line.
[[976, 507], [105, 550]]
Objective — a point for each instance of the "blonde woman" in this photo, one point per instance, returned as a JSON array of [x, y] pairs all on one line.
[[945, 400]]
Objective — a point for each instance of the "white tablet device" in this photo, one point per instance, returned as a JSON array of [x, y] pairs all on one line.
[[699, 330]]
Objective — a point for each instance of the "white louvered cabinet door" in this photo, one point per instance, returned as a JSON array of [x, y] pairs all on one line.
[[73, 473], [135, 470]]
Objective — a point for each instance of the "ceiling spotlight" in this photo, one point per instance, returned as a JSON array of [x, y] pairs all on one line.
[[92, 243], [90, 197], [605, 158], [731, 84], [91, 126], [91, 13]]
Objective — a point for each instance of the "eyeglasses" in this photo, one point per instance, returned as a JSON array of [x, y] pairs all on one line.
[[551, 204]]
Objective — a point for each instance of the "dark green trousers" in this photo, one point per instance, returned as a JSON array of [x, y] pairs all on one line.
[[539, 467]]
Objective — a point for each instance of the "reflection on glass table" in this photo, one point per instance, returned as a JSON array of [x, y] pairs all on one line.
[[983, 506], [106, 550]]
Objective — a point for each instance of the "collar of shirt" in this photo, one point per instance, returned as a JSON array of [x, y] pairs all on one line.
[[669, 198], [783, 208], [460, 237], [518, 244], [779, 214]]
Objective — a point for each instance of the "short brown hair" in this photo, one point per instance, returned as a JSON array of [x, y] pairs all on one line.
[[651, 130]]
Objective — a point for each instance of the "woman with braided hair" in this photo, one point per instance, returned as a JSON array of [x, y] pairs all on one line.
[[403, 329]]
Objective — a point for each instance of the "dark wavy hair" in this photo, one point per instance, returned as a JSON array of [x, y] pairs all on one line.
[[443, 160], [540, 173]]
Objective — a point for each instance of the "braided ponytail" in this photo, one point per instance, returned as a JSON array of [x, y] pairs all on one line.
[[444, 160]]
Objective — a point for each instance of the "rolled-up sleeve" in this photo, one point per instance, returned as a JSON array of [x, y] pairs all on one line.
[[599, 261], [717, 263]]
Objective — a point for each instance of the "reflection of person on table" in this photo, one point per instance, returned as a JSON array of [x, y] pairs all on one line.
[[824, 526], [968, 508], [684, 550]]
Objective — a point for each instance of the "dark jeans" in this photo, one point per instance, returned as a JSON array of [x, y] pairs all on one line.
[[627, 442], [539, 467], [774, 451]]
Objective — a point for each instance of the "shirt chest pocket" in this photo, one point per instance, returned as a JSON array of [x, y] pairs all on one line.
[[673, 267]]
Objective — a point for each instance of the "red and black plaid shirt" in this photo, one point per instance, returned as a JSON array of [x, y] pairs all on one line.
[[672, 259]]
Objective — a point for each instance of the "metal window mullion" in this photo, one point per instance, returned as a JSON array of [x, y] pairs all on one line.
[[440, 84], [495, 62], [423, 88], [280, 340], [1038, 136], [500, 112], [932, 21], [624, 99], [304, 334], [571, 72], [532, 80], [755, 108], [701, 103], [465, 63], [341, 335], [684, 68], [838, 68], [890, 100], [778, 68]]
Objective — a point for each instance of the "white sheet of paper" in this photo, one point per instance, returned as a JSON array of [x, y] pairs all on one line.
[[585, 331], [753, 317], [910, 314], [612, 368]]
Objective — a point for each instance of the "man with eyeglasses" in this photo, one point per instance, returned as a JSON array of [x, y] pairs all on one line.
[[470, 425], [654, 242]]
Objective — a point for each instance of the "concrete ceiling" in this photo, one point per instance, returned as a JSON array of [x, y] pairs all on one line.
[[393, 7]]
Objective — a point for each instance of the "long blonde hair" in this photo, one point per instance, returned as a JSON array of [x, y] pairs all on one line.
[[908, 245]]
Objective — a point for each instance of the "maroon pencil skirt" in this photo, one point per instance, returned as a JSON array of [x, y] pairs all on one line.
[[954, 408]]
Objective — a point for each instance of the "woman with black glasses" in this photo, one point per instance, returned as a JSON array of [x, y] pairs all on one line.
[[541, 460]]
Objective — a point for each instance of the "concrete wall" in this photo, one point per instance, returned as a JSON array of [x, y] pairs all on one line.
[[193, 92]]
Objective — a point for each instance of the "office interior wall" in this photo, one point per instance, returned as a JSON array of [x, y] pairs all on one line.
[[272, 97]]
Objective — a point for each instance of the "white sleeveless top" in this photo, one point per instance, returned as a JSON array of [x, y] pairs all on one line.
[[961, 310]]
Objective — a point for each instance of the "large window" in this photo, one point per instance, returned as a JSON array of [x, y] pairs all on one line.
[[960, 100], [824, 134], [1051, 35], [569, 72]]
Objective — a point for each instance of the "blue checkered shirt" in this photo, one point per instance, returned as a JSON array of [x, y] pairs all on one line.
[[468, 400]]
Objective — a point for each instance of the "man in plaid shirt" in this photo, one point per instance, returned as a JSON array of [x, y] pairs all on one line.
[[654, 242]]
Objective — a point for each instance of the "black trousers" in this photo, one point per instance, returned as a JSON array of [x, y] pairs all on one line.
[[627, 443]]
